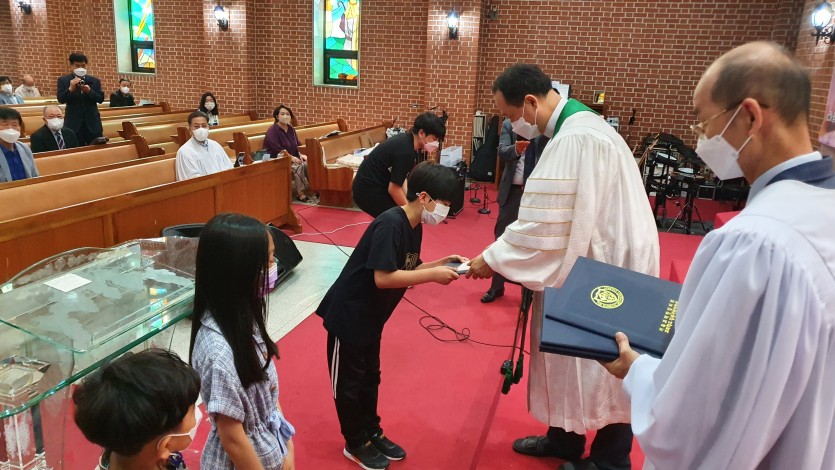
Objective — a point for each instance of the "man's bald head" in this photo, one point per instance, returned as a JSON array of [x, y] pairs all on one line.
[[28, 80], [764, 71], [52, 111]]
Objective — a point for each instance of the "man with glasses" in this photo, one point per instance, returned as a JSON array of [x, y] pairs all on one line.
[[749, 378], [583, 198]]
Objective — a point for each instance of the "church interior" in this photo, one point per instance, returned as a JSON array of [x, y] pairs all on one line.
[[355, 74]]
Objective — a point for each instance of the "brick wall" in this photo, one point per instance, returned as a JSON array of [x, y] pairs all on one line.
[[820, 60], [644, 55]]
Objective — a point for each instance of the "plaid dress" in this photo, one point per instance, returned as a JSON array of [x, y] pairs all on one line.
[[223, 393]]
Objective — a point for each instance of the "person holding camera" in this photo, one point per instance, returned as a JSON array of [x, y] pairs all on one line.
[[82, 94]]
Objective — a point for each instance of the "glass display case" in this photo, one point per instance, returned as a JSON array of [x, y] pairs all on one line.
[[67, 315]]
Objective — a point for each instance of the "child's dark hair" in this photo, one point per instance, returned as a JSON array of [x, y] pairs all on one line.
[[231, 272], [436, 180], [134, 399], [202, 106], [430, 124]]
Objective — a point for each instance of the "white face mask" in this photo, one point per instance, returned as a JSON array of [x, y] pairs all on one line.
[[9, 136], [198, 416], [81, 71], [720, 155], [201, 134], [125, 90], [286, 120], [435, 217], [55, 124], [431, 146], [210, 105], [523, 128], [7, 88]]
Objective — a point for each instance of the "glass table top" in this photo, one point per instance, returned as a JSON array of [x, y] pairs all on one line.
[[65, 316]]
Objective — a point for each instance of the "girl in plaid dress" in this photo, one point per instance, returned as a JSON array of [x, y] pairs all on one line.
[[231, 350]]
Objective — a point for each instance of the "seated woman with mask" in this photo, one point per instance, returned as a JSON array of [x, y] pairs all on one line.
[[281, 137], [208, 106]]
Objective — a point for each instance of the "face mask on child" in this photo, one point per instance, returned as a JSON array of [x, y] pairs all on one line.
[[436, 216], [198, 416], [272, 277]]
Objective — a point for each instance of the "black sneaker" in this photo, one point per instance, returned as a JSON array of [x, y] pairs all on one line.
[[391, 450], [366, 456]]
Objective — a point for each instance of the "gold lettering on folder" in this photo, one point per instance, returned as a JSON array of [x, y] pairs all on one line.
[[669, 317]]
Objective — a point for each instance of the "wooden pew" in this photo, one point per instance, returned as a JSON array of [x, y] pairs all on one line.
[[225, 133], [111, 122], [90, 167], [102, 147], [90, 157], [181, 116], [334, 182], [164, 135], [248, 143], [105, 208]]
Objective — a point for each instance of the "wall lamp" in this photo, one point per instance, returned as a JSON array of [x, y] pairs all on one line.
[[25, 6], [452, 24], [222, 17], [822, 21]]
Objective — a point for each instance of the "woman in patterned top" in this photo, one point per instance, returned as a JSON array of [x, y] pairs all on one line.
[[231, 350], [141, 409]]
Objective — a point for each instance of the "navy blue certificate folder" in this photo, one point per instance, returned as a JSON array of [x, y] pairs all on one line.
[[597, 300]]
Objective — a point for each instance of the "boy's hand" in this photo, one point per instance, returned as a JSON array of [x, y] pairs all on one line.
[[457, 259], [444, 275]]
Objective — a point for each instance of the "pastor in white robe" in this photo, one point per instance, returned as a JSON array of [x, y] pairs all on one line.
[[584, 198], [199, 159], [748, 380]]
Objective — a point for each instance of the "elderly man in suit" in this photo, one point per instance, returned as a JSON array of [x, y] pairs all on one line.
[[519, 157], [81, 93], [53, 135], [16, 160]]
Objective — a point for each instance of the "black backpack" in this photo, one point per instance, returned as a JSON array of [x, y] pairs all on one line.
[[483, 166]]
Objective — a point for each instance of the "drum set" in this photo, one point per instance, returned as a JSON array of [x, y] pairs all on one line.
[[672, 170]]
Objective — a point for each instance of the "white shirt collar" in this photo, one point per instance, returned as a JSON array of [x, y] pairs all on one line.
[[766, 177], [552, 123]]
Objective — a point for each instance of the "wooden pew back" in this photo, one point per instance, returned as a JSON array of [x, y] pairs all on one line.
[[77, 150], [97, 167], [76, 161], [142, 213], [248, 143], [33, 199], [334, 182]]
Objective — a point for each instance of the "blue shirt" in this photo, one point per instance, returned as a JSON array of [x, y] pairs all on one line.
[[16, 168]]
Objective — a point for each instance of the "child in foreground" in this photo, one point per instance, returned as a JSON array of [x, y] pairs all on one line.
[[141, 409]]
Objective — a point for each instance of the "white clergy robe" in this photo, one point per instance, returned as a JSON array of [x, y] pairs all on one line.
[[748, 380], [584, 198], [194, 159]]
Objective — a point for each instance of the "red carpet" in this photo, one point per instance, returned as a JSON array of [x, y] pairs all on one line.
[[441, 401]]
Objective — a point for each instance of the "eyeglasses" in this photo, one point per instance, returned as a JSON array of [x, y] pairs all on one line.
[[699, 127]]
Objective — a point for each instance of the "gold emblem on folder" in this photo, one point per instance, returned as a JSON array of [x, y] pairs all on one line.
[[607, 297]]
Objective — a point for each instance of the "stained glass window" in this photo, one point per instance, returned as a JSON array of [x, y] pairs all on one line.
[[142, 35], [341, 52]]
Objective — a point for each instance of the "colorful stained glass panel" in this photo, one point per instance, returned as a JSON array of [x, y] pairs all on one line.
[[344, 69], [342, 24], [145, 59], [142, 20]]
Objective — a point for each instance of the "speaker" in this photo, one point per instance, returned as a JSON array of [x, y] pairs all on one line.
[[286, 253], [460, 185]]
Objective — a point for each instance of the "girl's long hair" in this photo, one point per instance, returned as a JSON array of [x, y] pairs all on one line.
[[231, 273]]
